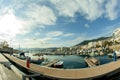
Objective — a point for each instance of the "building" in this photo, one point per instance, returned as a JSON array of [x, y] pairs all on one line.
[[92, 44], [116, 35]]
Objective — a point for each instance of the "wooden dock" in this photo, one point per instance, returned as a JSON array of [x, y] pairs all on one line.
[[52, 63], [92, 62]]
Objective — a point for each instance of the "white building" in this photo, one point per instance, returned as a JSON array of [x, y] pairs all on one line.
[[92, 44], [100, 43], [116, 35]]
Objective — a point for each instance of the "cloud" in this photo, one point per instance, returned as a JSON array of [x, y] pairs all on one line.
[[58, 34], [54, 33], [69, 34], [23, 17], [90, 9], [112, 9], [35, 43], [38, 14], [65, 8]]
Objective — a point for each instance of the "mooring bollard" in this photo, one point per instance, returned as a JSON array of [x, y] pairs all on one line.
[[28, 62], [114, 56]]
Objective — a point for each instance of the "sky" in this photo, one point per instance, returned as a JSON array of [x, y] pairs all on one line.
[[56, 23]]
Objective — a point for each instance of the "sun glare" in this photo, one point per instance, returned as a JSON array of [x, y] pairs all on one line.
[[10, 25]]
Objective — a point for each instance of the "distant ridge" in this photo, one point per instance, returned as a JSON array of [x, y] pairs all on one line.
[[87, 41]]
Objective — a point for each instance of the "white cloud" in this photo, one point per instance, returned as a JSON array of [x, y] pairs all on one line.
[[54, 33], [35, 43], [14, 21], [91, 9], [69, 34], [66, 8], [112, 9], [41, 15], [59, 33]]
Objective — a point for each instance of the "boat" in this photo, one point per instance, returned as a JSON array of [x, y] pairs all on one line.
[[36, 61], [58, 64], [111, 55]]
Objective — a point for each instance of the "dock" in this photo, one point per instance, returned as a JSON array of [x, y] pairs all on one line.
[[107, 71], [92, 62], [52, 63], [4, 61], [5, 72]]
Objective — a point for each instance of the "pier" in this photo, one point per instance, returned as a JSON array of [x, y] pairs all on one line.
[[6, 70], [52, 63], [106, 71], [89, 62], [92, 62]]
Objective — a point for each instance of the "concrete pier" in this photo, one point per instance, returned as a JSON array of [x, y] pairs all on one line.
[[7, 74], [8, 71], [4, 61]]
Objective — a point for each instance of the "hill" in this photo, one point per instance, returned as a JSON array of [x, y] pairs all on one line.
[[87, 41]]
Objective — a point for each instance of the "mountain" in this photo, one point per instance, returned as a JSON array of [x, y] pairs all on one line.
[[87, 41]]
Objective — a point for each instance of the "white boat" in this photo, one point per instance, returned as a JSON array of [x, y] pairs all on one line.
[[111, 55], [58, 64]]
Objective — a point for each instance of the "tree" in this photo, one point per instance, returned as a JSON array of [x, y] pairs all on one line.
[[4, 44]]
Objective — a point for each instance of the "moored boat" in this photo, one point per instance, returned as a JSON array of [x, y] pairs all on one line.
[[58, 64], [36, 61]]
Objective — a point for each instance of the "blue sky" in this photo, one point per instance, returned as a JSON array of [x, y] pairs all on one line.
[[56, 23]]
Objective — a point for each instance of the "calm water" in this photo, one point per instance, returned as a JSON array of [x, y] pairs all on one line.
[[75, 61]]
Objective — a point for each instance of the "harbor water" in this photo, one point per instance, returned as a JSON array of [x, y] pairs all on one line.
[[72, 61]]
